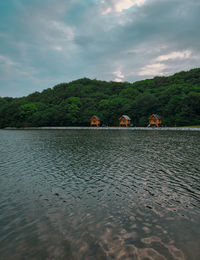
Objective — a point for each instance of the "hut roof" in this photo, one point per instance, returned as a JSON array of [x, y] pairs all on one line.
[[126, 117], [158, 116], [97, 118]]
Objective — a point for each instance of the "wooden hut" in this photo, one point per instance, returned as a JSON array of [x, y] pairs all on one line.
[[155, 120], [124, 121], [95, 121]]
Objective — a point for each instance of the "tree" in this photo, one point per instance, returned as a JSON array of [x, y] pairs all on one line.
[[176, 98]]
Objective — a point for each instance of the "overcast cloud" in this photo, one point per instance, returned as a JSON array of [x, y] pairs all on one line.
[[43, 43]]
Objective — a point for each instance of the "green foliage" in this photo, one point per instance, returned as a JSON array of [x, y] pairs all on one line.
[[27, 110], [175, 98], [73, 105]]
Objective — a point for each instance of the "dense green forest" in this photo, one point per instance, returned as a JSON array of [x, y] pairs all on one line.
[[176, 98]]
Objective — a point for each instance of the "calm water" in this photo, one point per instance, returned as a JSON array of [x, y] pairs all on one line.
[[87, 194]]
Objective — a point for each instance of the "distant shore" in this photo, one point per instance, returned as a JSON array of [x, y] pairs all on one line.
[[105, 128]]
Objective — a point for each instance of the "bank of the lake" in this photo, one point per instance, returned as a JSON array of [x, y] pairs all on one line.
[[106, 128]]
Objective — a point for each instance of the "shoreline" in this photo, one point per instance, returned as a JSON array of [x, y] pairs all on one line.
[[104, 128]]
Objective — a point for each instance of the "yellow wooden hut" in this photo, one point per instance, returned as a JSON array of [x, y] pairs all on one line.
[[95, 121], [155, 120], [124, 121]]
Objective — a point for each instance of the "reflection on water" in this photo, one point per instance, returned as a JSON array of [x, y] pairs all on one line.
[[87, 194]]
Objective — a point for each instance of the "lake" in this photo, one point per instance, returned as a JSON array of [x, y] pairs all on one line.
[[94, 194]]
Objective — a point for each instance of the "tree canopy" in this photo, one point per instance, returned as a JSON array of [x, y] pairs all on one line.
[[176, 98]]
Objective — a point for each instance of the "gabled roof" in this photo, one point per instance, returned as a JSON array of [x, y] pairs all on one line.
[[156, 115], [97, 118], [126, 117]]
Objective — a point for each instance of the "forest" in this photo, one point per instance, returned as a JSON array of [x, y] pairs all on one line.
[[175, 98]]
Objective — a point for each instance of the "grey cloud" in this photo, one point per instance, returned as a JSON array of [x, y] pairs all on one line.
[[66, 40]]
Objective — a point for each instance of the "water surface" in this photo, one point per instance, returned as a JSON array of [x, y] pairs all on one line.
[[94, 194]]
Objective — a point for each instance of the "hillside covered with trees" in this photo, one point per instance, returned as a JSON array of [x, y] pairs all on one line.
[[176, 98]]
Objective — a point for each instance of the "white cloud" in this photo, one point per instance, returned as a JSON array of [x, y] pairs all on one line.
[[118, 76], [118, 80], [65, 30], [152, 69], [58, 48], [119, 6], [174, 55], [10, 68], [126, 4], [7, 61], [107, 11], [123, 5], [157, 67]]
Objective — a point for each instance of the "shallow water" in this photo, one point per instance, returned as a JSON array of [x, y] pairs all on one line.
[[86, 194]]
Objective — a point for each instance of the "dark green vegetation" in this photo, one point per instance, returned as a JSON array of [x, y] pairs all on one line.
[[175, 98]]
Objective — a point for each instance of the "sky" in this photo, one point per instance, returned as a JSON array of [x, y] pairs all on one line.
[[46, 42]]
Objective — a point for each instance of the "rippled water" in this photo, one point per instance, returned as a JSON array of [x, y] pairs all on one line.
[[95, 194]]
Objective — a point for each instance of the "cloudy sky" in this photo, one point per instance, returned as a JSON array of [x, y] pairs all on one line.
[[46, 42]]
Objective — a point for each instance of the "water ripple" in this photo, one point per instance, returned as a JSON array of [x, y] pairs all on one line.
[[99, 195]]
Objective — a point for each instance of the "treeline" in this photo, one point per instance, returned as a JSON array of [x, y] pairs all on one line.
[[175, 98]]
